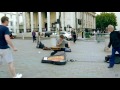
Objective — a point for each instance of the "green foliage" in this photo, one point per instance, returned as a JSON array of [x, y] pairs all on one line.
[[105, 19]]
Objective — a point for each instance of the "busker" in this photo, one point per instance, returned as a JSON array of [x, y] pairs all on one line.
[[61, 44]]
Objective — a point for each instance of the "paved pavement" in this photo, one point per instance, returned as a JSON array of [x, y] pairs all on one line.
[[89, 55]]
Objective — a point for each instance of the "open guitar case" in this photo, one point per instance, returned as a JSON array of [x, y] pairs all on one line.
[[60, 62]]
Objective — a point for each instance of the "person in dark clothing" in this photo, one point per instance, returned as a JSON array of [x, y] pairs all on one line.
[[34, 36], [115, 42], [74, 36]]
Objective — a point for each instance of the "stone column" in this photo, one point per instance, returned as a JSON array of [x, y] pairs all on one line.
[[83, 16], [24, 21], [14, 24], [91, 20], [76, 20], [62, 20], [32, 24], [11, 22], [17, 22], [72, 20], [40, 21], [48, 21], [57, 17], [94, 23]]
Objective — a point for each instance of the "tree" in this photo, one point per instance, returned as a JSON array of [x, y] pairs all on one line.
[[105, 19]]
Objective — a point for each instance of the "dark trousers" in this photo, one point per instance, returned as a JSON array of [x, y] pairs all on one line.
[[74, 38], [34, 38], [55, 51], [112, 58]]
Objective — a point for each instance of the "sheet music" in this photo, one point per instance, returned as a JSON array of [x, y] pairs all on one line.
[[45, 58]]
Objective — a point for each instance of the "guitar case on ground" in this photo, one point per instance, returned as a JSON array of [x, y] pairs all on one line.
[[58, 59]]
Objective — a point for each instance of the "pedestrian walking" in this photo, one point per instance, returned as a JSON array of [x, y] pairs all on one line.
[[74, 36], [5, 52], [115, 42], [34, 35]]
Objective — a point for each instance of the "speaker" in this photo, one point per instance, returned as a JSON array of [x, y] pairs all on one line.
[[79, 21]]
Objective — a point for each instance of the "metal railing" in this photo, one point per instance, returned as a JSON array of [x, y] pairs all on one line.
[[100, 37]]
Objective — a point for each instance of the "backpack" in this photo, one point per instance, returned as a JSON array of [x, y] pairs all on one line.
[[40, 45]]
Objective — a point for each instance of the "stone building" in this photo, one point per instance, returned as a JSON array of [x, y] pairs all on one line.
[[40, 20]]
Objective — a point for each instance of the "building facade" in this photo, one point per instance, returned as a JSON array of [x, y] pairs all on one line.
[[41, 20], [28, 21], [14, 20]]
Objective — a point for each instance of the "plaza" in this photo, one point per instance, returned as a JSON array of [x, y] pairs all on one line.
[[89, 55]]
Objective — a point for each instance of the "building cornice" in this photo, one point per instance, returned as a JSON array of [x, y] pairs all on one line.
[[8, 13], [92, 13]]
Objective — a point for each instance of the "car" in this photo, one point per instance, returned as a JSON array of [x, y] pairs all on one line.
[[48, 33], [67, 35]]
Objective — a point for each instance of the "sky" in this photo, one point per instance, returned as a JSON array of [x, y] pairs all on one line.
[[118, 19]]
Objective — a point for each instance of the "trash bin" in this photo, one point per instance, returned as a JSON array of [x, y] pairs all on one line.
[[87, 34]]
